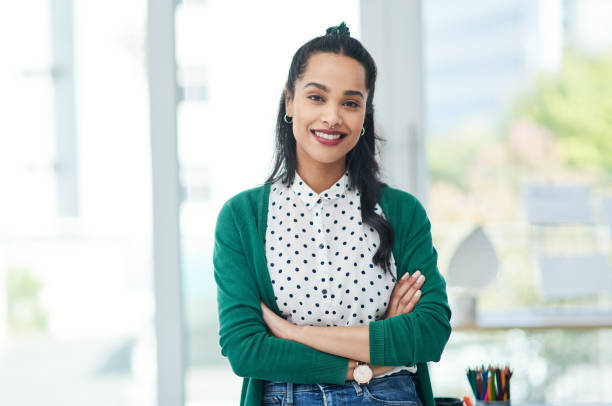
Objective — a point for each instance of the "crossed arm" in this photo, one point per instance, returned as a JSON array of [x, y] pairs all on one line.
[[253, 345], [350, 342]]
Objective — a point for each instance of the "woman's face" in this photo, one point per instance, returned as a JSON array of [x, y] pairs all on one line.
[[328, 109]]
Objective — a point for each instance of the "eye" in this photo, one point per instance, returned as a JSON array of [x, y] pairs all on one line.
[[315, 97], [352, 104]]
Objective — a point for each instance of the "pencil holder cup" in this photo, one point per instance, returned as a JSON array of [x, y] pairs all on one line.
[[493, 403]]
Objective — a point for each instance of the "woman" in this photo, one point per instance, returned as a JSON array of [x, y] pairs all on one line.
[[324, 266]]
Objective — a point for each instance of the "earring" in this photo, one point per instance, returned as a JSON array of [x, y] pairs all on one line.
[[288, 120], [362, 131]]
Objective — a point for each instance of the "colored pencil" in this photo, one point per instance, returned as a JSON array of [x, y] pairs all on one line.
[[490, 384]]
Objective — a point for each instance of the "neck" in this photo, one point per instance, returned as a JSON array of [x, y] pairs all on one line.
[[321, 177]]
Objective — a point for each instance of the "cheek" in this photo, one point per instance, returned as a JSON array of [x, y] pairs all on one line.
[[357, 123], [303, 119], [301, 128]]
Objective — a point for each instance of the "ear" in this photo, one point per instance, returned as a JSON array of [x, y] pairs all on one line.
[[288, 104]]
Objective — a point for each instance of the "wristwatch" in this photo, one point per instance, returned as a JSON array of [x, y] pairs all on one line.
[[362, 373]]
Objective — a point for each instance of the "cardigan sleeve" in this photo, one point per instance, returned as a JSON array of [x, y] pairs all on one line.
[[421, 335], [244, 339]]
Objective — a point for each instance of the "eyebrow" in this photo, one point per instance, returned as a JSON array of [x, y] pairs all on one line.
[[326, 89]]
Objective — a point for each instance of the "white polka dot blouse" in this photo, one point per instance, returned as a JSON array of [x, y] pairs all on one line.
[[319, 255]]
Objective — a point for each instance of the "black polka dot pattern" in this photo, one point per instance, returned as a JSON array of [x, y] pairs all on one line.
[[327, 277]]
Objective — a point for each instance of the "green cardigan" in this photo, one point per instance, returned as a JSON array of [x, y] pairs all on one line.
[[242, 278]]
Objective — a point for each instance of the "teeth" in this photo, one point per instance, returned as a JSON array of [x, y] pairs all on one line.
[[327, 136]]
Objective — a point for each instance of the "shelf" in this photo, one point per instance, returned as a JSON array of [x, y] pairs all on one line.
[[539, 319]]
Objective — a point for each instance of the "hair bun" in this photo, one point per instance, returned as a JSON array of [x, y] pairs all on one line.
[[340, 30]]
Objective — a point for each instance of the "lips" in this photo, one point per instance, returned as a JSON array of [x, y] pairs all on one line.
[[326, 131], [328, 137], [328, 134]]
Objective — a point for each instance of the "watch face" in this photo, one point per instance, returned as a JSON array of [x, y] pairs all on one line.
[[362, 374]]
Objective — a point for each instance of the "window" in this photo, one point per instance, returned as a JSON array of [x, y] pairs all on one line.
[[76, 299], [516, 146]]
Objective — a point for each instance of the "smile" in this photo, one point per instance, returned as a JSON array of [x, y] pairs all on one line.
[[328, 135]]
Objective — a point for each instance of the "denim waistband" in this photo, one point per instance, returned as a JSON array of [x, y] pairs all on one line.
[[290, 388]]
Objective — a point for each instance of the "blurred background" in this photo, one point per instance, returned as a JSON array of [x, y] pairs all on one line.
[[497, 115]]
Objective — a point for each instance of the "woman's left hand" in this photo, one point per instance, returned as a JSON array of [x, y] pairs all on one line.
[[406, 294], [278, 326]]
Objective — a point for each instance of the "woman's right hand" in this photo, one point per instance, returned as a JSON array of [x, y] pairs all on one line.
[[406, 294]]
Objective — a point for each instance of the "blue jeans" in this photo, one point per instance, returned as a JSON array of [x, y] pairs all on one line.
[[397, 389]]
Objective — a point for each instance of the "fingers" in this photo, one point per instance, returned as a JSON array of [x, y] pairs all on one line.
[[400, 288], [409, 292], [406, 294], [412, 296], [405, 284], [407, 307]]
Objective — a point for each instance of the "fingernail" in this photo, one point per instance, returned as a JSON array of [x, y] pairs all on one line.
[[405, 276], [421, 278], [416, 274], [417, 293]]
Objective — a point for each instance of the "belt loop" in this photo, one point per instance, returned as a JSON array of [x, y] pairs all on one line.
[[289, 393], [357, 387]]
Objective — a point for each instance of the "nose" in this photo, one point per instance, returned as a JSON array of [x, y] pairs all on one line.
[[332, 117]]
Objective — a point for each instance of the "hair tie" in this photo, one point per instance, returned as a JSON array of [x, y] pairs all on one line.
[[339, 30]]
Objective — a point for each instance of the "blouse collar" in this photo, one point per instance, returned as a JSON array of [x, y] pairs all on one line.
[[310, 197]]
